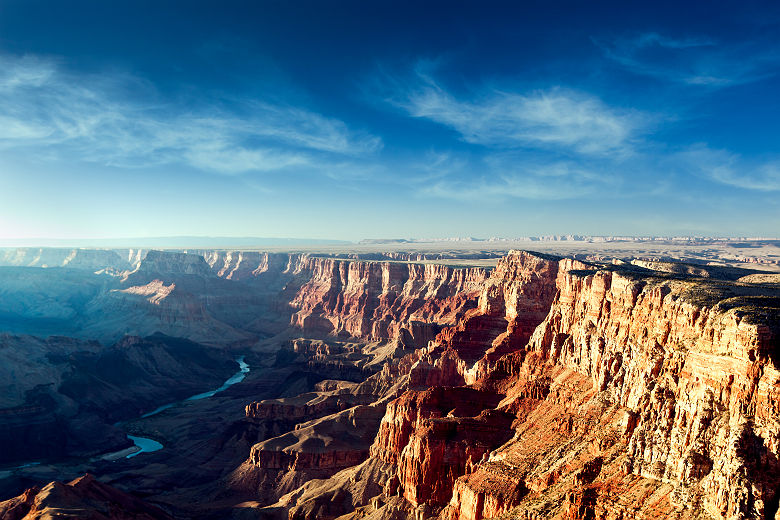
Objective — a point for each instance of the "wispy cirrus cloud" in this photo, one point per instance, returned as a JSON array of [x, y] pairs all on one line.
[[119, 120], [556, 119], [509, 175], [692, 60], [729, 168], [548, 144], [502, 176], [560, 144], [549, 181]]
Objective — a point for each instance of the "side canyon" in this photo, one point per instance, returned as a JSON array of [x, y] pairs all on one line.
[[393, 387]]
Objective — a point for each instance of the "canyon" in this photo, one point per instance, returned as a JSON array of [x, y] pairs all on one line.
[[394, 384]]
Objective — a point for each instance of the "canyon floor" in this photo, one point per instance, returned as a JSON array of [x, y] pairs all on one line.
[[450, 380]]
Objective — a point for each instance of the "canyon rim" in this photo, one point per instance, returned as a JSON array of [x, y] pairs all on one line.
[[389, 260], [398, 386]]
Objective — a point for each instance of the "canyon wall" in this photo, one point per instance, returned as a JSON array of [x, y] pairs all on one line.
[[609, 392], [685, 367], [228, 296], [542, 388], [373, 300]]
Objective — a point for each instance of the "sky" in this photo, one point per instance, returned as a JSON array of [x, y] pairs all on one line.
[[351, 119]]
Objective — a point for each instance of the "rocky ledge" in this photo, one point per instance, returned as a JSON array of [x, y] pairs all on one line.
[[570, 389], [82, 499]]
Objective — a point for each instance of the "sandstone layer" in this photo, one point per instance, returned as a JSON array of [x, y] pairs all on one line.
[[82, 499], [546, 387], [599, 391]]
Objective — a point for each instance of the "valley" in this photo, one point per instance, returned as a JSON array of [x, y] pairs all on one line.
[[449, 381]]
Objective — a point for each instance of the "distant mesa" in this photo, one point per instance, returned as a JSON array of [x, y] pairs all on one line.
[[255, 243], [743, 242]]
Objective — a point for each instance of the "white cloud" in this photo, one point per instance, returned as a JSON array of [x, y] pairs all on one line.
[[692, 61], [499, 187], [554, 119], [511, 175], [731, 169], [13, 128], [118, 120], [558, 144], [213, 155], [548, 144]]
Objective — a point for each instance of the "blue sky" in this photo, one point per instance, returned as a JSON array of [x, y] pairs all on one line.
[[353, 120]]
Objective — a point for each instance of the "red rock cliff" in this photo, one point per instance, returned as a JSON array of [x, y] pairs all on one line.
[[558, 388], [374, 300], [684, 368]]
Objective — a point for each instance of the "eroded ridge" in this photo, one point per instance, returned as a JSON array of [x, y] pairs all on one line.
[[580, 390], [545, 387]]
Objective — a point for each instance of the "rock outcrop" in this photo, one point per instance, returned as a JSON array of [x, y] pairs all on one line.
[[82, 499], [224, 297], [668, 383], [374, 300], [543, 388], [604, 384], [314, 449]]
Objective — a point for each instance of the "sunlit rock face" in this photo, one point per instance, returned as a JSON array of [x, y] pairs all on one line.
[[543, 388], [648, 385], [373, 300], [619, 382], [82, 498], [223, 297]]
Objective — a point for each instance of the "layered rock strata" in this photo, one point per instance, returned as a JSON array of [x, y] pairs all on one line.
[[374, 300], [683, 377], [544, 388], [83, 499], [607, 384]]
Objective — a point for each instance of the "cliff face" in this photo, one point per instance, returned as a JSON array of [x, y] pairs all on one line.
[[374, 300], [697, 380], [689, 383], [359, 299], [314, 449], [601, 392], [544, 388], [83, 498], [231, 296], [512, 302]]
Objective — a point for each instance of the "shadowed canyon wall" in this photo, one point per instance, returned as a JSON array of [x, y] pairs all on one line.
[[595, 386], [543, 388]]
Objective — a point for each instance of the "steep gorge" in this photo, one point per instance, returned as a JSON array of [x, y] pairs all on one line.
[[543, 388], [605, 384]]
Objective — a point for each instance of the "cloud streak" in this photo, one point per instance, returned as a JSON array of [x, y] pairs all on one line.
[[515, 176], [119, 121], [559, 144], [557, 118], [731, 169], [550, 144], [691, 61], [520, 182], [509, 175]]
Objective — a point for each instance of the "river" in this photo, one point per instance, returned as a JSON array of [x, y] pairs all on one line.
[[144, 444], [147, 445]]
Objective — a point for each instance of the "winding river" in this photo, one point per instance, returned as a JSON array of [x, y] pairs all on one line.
[[147, 445], [144, 444]]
